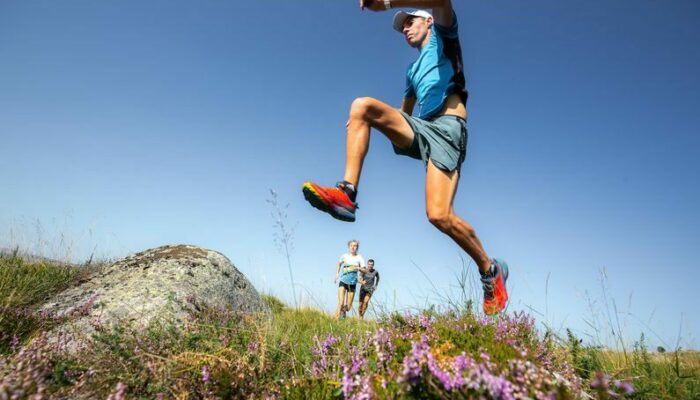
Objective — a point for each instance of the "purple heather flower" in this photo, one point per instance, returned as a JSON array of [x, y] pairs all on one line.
[[425, 321], [485, 356], [252, 346], [365, 392], [625, 386], [601, 381], [14, 343], [357, 363], [413, 361], [205, 374], [321, 350], [119, 393], [346, 382], [442, 376], [383, 345]]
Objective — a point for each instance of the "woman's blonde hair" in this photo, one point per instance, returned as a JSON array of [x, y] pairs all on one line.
[[354, 241]]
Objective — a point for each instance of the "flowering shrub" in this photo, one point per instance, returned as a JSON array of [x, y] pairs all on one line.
[[446, 356], [302, 354]]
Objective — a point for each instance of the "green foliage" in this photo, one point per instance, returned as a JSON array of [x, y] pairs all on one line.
[[274, 303], [667, 375], [222, 354], [585, 360], [23, 287]]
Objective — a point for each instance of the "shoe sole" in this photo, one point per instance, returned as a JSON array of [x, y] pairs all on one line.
[[319, 202]]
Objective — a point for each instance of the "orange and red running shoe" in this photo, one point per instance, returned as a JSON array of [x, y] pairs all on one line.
[[495, 292], [333, 200]]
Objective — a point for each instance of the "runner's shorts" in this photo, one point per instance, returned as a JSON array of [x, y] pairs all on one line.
[[349, 287], [364, 292], [442, 140]]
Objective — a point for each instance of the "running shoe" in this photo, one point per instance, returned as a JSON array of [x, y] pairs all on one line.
[[333, 200], [495, 293], [343, 313]]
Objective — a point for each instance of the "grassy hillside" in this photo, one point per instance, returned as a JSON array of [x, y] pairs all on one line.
[[450, 353]]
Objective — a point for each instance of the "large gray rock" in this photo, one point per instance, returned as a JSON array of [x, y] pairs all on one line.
[[167, 283]]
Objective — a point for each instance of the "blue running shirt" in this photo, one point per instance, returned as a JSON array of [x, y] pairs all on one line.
[[438, 72], [348, 260]]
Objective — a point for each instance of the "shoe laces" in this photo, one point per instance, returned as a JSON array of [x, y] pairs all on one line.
[[488, 284], [342, 185]]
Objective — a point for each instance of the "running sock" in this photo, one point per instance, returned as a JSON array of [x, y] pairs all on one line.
[[349, 189], [491, 272]]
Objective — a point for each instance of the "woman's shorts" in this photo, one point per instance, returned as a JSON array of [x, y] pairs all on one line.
[[348, 287], [442, 140]]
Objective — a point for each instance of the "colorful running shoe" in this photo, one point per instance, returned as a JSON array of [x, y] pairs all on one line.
[[495, 293], [333, 200]]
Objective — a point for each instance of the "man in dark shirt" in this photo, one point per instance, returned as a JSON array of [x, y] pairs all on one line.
[[369, 278]]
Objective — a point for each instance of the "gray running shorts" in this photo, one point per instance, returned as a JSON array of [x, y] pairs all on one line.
[[442, 140]]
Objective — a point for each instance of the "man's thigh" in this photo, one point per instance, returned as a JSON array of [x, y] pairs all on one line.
[[389, 121], [440, 188]]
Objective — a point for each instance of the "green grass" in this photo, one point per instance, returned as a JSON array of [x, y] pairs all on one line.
[[668, 375], [23, 287], [221, 354]]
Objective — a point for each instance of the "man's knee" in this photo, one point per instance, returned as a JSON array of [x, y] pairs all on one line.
[[441, 219], [364, 108]]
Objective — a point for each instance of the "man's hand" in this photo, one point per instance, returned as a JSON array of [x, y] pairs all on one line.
[[374, 5]]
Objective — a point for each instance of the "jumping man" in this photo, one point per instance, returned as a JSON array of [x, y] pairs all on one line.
[[437, 135]]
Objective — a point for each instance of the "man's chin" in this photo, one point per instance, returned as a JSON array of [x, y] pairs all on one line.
[[415, 45]]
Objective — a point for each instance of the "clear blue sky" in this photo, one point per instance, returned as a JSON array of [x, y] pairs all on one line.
[[132, 124]]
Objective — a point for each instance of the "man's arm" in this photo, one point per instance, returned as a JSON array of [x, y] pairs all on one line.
[[442, 9]]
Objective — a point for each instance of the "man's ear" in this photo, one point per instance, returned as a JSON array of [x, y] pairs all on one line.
[[429, 21]]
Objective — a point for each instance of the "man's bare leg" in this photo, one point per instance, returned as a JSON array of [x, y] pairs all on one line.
[[364, 305], [367, 113], [440, 189]]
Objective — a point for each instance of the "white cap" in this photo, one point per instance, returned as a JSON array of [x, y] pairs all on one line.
[[401, 16]]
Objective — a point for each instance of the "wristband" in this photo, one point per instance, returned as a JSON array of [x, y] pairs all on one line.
[[387, 4]]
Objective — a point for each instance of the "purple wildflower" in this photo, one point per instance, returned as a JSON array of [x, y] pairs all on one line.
[[14, 343], [625, 387], [119, 393], [442, 376], [205, 374], [322, 350], [357, 363], [346, 382], [425, 321], [601, 381]]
